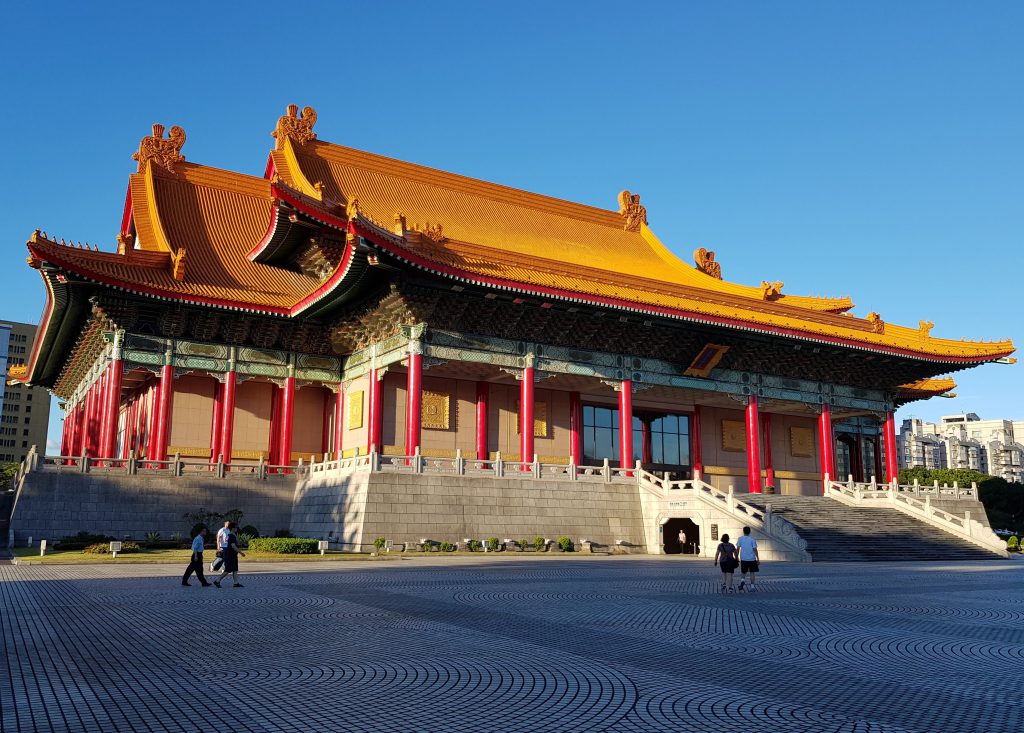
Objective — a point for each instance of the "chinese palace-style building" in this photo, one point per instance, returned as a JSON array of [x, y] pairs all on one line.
[[346, 302]]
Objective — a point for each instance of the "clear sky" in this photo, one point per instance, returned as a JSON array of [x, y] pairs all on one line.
[[867, 149]]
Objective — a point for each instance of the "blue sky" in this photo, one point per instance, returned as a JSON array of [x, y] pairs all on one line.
[[864, 149]]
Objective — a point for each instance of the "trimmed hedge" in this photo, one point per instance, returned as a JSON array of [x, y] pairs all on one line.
[[103, 548], [284, 545]]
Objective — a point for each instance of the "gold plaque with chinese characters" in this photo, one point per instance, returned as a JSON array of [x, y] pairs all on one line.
[[540, 419], [734, 436], [355, 410], [435, 410], [801, 442]]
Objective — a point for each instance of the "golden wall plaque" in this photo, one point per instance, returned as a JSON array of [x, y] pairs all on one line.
[[435, 410], [734, 436], [540, 419], [355, 410], [188, 452], [801, 442]]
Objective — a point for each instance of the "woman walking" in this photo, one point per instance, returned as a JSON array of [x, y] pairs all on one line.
[[725, 558], [231, 553]]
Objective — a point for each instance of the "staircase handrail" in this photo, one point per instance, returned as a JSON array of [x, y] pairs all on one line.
[[962, 526], [771, 524]]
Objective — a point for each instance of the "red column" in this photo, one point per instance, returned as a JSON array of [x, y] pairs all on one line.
[[112, 409], [215, 420], [377, 412], [753, 446], [152, 416], [646, 450], [769, 468], [162, 417], [65, 428], [339, 422], [827, 445], [695, 447], [98, 423], [626, 423], [526, 400], [287, 418], [90, 439], [413, 403], [274, 439], [227, 415], [575, 429], [892, 466], [483, 393], [325, 422]]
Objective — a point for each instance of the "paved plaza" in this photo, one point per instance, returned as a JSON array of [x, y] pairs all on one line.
[[509, 644]]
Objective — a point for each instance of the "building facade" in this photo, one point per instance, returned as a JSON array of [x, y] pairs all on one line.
[[995, 447], [26, 409], [349, 303]]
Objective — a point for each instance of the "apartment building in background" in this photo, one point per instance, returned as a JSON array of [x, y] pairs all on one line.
[[995, 447], [25, 413]]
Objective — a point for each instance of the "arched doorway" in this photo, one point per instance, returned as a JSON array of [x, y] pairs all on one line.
[[670, 536]]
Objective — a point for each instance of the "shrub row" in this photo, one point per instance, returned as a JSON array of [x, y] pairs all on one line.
[[284, 545], [103, 548], [538, 543]]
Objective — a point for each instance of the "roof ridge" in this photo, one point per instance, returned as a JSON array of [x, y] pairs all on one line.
[[467, 184]]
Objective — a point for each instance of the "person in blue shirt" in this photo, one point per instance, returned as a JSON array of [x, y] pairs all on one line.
[[196, 566]]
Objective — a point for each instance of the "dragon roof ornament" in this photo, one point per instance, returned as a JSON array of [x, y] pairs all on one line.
[[165, 152], [632, 211], [292, 125]]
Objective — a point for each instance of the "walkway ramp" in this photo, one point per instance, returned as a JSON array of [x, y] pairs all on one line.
[[840, 533]]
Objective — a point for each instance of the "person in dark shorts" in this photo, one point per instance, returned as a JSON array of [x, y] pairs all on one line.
[[231, 553], [746, 549], [725, 558], [196, 564]]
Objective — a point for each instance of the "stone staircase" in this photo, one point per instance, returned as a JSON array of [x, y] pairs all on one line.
[[836, 532]]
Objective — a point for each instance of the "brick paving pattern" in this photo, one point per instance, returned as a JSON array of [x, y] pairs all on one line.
[[630, 644]]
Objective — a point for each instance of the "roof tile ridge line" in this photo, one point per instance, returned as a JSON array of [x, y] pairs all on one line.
[[161, 242], [200, 174], [468, 184], [910, 333], [714, 319], [143, 258], [670, 257], [297, 177]]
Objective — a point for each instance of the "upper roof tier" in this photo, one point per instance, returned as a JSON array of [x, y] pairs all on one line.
[[199, 234]]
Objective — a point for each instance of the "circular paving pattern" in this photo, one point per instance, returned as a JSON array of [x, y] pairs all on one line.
[[624, 644]]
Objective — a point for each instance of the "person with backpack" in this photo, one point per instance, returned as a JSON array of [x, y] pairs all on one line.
[[725, 558]]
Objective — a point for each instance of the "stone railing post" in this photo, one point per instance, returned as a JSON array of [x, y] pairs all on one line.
[[974, 489], [696, 474], [417, 461], [261, 467], [133, 463], [221, 472], [300, 468], [374, 461], [935, 486], [874, 482], [176, 467], [460, 463], [535, 468], [84, 462], [730, 499], [967, 524], [572, 471], [927, 505], [606, 471]]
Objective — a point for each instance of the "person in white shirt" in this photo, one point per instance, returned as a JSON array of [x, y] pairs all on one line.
[[222, 542], [746, 548], [196, 565]]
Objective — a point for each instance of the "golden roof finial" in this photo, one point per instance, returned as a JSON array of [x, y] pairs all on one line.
[[162, 152], [291, 125], [771, 290], [631, 210], [705, 262], [925, 328]]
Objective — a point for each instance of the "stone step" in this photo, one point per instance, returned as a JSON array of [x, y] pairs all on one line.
[[836, 532]]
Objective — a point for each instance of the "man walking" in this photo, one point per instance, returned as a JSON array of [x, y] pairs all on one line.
[[196, 565], [221, 543], [746, 548]]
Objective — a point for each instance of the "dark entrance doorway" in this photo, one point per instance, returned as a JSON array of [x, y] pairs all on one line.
[[670, 536]]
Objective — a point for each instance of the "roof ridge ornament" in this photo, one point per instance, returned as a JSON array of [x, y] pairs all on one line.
[[877, 324], [771, 290], [705, 262], [298, 128], [925, 328], [631, 210], [163, 152]]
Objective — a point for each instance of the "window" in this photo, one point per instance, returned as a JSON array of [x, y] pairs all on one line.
[[600, 433], [28, 408], [25, 432]]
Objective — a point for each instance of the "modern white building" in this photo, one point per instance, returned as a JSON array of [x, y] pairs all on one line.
[[964, 441]]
